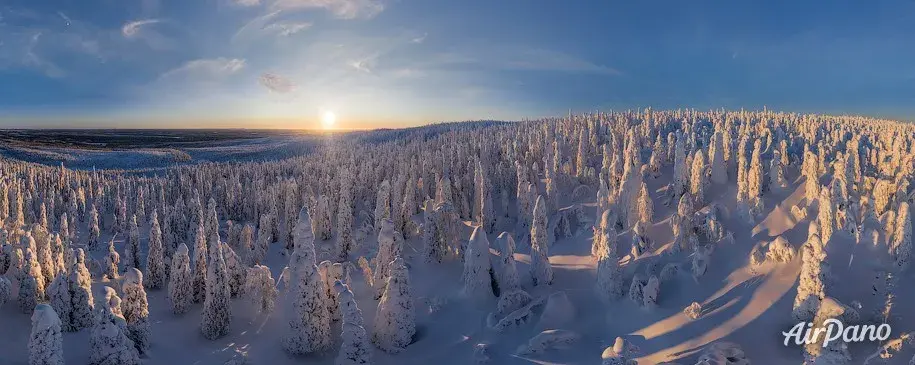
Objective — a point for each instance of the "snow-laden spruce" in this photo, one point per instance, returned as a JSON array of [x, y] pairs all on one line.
[[59, 298], [260, 289], [135, 309], [109, 343], [112, 261], [155, 259], [199, 265], [306, 314], [235, 268], [354, 347], [6, 290], [813, 277], [262, 245], [80, 287], [216, 317], [541, 270], [180, 284], [330, 274], [390, 245], [395, 319], [476, 278], [46, 340], [132, 248], [31, 283], [609, 285], [507, 278]]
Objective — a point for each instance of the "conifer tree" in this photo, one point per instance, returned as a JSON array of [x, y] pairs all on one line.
[[395, 319], [135, 309], [355, 348], [217, 312], [46, 339], [541, 270], [155, 260], [180, 284]]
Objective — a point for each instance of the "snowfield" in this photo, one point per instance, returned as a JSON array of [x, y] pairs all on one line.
[[638, 237]]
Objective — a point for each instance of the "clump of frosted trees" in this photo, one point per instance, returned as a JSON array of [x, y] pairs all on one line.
[[372, 192]]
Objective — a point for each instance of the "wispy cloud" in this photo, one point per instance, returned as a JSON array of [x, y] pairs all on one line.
[[132, 29], [212, 68], [343, 9], [276, 83], [364, 65], [420, 39], [536, 59], [285, 29], [246, 2], [32, 59]]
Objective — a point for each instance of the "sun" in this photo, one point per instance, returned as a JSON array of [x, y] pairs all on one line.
[[328, 120]]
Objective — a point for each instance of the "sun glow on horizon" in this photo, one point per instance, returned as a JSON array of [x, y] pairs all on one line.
[[328, 120]]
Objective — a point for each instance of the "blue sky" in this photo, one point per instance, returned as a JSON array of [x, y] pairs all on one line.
[[392, 63]]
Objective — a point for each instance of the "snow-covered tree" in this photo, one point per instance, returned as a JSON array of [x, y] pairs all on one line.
[[390, 246], [331, 272], [46, 340], [306, 310], [383, 203], [236, 269], [180, 284], [355, 348], [6, 291], [246, 244], [155, 260], [217, 311], [826, 215], [645, 205], [322, 219], [717, 160], [541, 270], [609, 285], [31, 283], [476, 276], [80, 283], [812, 279], [109, 343], [59, 296], [132, 248], [902, 237], [112, 261], [135, 310], [260, 289], [508, 271], [755, 175], [259, 254], [483, 206], [200, 265], [681, 170], [344, 242], [699, 179], [395, 319]]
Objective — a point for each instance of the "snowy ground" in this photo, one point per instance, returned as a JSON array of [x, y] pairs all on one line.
[[747, 305]]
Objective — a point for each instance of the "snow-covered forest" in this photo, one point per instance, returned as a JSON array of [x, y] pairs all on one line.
[[637, 237]]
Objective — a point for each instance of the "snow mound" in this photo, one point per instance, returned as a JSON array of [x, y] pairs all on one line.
[[558, 311], [547, 340]]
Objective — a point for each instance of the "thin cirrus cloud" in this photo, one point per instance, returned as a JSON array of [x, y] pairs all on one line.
[[132, 29], [343, 9], [285, 29], [212, 68]]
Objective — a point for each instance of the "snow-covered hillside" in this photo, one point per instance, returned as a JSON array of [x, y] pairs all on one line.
[[639, 237]]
